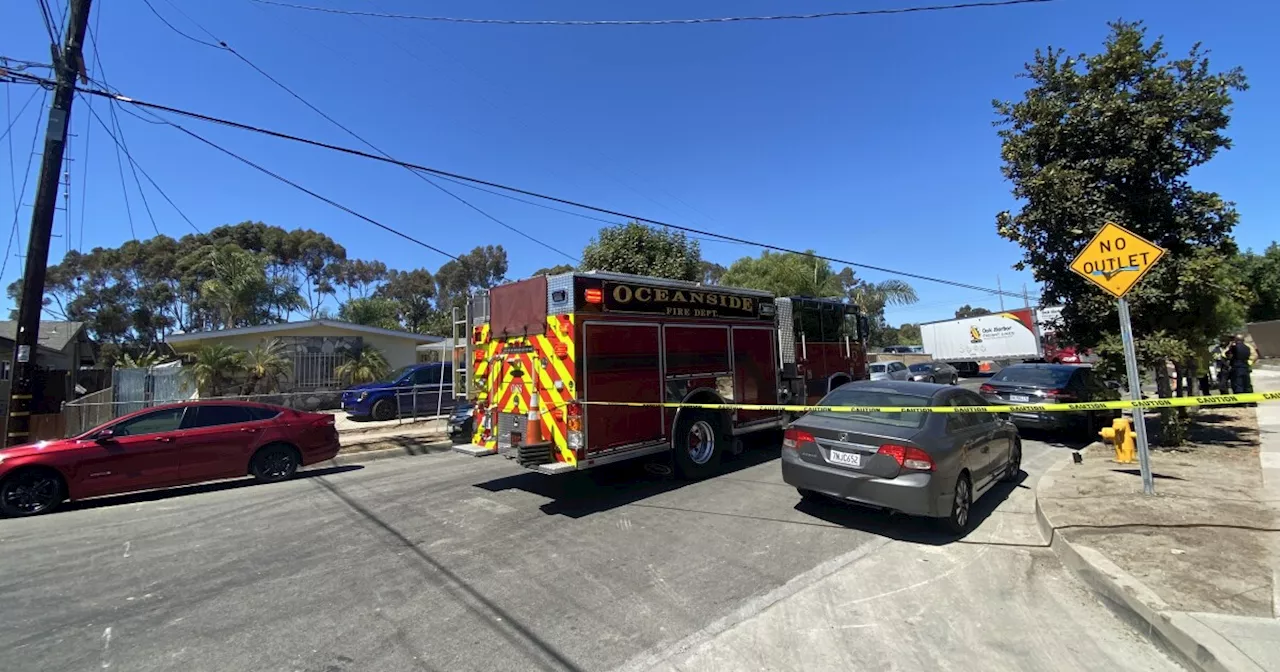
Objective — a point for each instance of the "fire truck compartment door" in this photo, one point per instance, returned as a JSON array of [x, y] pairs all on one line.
[[620, 363], [519, 309]]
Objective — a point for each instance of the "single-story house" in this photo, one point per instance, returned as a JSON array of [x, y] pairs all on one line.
[[316, 346], [62, 346], [62, 349]]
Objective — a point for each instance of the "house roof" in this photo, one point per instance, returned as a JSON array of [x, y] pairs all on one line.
[[197, 336], [54, 335]]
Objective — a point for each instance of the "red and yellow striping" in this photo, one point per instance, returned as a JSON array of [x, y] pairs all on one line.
[[509, 371]]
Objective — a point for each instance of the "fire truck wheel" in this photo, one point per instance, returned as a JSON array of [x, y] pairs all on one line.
[[699, 442]]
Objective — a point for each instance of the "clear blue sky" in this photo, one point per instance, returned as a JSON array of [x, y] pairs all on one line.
[[868, 139]]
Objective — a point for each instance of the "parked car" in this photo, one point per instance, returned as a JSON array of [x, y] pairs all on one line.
[[934, 372], [889, 371], [417, 389], [1049, 384], [165, 446], [918, 463], [900, 349], [461, 425]]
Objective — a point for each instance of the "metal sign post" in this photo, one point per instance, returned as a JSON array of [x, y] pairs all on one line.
[[1135, 394], [1115, 260]]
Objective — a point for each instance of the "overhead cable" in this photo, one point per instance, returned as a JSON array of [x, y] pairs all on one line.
[[222, 45], [136, 166], [657, 22], [534, 194]]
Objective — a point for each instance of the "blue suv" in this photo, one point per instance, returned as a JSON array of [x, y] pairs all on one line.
[[417, 389]]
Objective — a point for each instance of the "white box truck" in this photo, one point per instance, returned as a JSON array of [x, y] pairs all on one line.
[[981, 344]]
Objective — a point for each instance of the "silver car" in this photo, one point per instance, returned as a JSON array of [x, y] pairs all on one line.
[[934, 372], [918, 463], [889, 371]]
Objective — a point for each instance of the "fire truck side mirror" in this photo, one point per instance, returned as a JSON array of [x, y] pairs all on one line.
[[864, 327]]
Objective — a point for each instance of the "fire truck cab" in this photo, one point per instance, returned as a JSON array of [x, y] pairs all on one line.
[[578, 370]]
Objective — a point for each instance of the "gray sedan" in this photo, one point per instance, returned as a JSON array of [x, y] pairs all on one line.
[[934, 372], [919, 463]]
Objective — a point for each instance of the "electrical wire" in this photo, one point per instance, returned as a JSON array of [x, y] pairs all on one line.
[[563, 201], [124, 186], [13, 119], [658, 22], [602, 166], [221, 44], [313, 194], [88, 130], [17, 203], [138, 167], [47, 15]]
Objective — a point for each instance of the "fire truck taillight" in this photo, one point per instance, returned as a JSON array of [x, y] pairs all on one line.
[[594, 295], [573, 427]]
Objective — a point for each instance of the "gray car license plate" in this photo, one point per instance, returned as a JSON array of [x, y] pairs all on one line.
[[845, 459], [1020, 398]]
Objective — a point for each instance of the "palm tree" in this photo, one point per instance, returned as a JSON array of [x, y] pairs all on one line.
[[238, 285], [145, 360], [366, 367], [215, 365], [265, 364], [872, 297]]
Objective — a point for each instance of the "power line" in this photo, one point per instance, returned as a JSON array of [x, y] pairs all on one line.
[[505, 110], [563, 201], [220, 44], [138, 167], [13, 119], [92, 32], [115, 121], [17, 202], [658, 22], [313, 194], [47, 15]]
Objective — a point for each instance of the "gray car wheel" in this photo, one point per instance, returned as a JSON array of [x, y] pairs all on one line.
[[957, 521], [1014, 467]]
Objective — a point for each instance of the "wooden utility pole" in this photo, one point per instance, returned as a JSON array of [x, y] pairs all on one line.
[[70, 63]]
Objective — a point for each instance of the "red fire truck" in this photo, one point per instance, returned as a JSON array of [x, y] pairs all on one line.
[[550, 354]]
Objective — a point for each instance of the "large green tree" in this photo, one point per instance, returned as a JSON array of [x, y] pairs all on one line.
[[1114, 136], [413, 293], [970, 311], [643, 250], [1261, 274]]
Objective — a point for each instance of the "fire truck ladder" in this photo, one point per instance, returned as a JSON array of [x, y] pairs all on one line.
[[462, 369]]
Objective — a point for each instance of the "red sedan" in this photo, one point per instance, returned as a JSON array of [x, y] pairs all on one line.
[[165, 446]]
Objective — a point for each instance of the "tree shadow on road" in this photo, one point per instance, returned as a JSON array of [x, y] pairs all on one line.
[[908, 528], [600, 489], [185, 490]]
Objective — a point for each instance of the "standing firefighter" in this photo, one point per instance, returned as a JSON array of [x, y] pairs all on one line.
[[1241, 357]]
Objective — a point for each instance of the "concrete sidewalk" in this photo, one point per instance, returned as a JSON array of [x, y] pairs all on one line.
[[1194, 567]]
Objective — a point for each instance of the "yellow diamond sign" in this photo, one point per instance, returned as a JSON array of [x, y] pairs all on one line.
[[1116, 259]]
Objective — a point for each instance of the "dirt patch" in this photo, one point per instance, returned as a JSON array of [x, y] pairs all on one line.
[[1202, 541]]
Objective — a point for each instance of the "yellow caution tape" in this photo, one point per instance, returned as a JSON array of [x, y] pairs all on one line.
[[1172, 402]]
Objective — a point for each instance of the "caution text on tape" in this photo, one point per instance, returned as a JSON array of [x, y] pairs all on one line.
[[1173, 402]]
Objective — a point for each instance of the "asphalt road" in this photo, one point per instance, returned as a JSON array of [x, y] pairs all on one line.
[[445, 562]]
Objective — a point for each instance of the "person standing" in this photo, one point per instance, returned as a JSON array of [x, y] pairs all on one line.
[[1204, 369], [1240, 356]]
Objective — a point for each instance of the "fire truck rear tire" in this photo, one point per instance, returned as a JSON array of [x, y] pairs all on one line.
[[699, 442]]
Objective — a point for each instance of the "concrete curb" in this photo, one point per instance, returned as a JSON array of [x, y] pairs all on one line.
[[1195, 645], [384, 453]]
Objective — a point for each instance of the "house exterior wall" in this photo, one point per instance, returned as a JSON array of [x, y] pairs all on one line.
[[399, 352]]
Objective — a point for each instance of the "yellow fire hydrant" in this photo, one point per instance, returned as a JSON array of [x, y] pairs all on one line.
[[1120, 434]]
